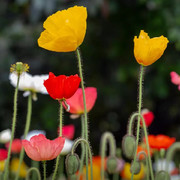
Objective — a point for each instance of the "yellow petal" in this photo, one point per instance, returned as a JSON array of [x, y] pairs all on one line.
[[65, 30], [146, 50]]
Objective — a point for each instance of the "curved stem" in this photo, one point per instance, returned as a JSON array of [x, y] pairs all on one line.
[[60, 134], [147, 169], [170, 153], [33, 169], [85, 109], [147, 142], [13, 130], [82, 147], [90, 155], [107, 137], [44, 169], [28, 121]]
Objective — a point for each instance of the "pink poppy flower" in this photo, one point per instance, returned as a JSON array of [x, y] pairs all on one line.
[[3, 154], [16, 146], [175, 79], [39, 148], [76, 101], [68, 131], [148, 117]]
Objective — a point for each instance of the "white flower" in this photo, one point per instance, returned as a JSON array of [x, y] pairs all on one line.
[[29, 83], [33, 133], [161, 165], [5, 136], [67, 146]]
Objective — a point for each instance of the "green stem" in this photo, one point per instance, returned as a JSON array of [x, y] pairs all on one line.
[[34, 164], [85, 110], [33, 169], [60, 134], [115, 176], [139, 111], [13, 130], [107, 137], [44, 169], [61, 167], [82, 148], [90, 154], [28, 121], [147, 142], [147, 169]]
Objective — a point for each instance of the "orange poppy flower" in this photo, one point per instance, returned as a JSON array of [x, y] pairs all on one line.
[[65, 30], [148, 50], [143, 148], [160, 141]]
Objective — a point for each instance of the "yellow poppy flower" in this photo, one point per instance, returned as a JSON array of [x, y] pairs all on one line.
[[126, 174], [2, 165], [65, 30], [148, 50], [14, 167]]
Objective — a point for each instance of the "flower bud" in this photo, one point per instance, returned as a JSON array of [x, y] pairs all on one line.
[[72, 163], [112, 164], [128, 146], [135, 167], [162, 175], [19, 68]]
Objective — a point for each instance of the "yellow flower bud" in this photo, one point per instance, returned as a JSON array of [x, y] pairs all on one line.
[[148, 50]]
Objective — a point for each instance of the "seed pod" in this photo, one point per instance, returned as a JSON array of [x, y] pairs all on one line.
[[162, 175], [72, 163], [128, 146], [111, 164], [136, 167]]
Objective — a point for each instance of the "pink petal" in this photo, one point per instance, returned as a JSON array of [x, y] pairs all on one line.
[[68, 131], [31, 151], [175, 78]]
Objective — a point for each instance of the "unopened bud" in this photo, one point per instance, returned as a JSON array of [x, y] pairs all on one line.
[[128, 146], [19, 68], [112, 164], [162, 175], [135, 167], [72, 163]]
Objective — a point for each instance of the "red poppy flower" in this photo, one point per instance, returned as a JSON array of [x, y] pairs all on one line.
[[68, 131], [41, 149], [76, 101], [3, 154], [16, 146], [62, 87], [148, 117], [160, 141]]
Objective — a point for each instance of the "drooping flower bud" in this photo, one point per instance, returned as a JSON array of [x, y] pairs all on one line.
[[19, 68], [128, 146], [162, 175], [135, 167], [112, 164], [72, 163]]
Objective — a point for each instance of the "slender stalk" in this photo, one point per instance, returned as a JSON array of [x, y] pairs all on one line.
[[13, 130], [139, 111], [82, 148], [85, 109], [44, 169], [28, 122], [107, 137], [33, 169], [60, 134], [34, 164], [90, 154], [61, 167]]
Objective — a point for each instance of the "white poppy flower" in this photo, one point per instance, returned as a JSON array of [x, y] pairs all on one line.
[[67, 146], [5, 136], [161, 165], [33, 133], [29, 83]]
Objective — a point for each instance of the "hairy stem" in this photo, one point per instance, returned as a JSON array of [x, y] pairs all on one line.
[[33, 169]]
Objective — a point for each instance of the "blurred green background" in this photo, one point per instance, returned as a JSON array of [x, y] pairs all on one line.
[[109, 64]]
